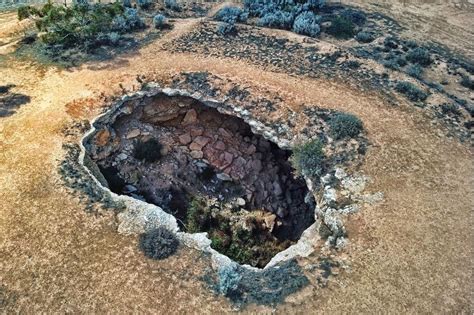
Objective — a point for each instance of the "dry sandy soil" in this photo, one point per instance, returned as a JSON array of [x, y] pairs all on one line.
[[412, 253]]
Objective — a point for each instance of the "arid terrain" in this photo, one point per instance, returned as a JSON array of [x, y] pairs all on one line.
[[410, 253]]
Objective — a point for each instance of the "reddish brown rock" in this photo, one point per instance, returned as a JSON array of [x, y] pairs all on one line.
[[223, 132], [219, 145], [102, 137], [196, 154], [196, 131], [190, 117], [202, 141], [185, 139]]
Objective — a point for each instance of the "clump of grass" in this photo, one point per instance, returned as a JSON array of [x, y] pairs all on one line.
[[411, 91], [308, 158]]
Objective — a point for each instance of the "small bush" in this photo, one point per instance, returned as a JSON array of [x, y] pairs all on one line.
[[419, 56], [365, 37], [307, 159], [307, 23], [144, 4], [149, 151], [391, 64], [159, 21], [159, 243], [229, 279], [225, 29], [277, 19], [172, 5], [353, 64], [411, 91], [345, 126], [390, 42], [450, 109], [341, 28], [231, 15], [415, 71], [129, 21], [355, 16], [127, 3], [466, 81], [411, 44], [81, 25], [394, 61]]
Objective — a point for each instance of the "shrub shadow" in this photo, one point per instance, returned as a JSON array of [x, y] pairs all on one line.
[[10, 102]]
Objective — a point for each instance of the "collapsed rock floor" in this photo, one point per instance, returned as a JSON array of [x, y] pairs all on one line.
[[204, 154]]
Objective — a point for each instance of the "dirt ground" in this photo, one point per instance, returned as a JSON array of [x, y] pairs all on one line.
[[412, 253]]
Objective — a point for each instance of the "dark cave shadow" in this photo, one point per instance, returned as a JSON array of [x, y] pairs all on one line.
[[10, 102]]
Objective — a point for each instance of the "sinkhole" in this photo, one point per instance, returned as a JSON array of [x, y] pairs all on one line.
[[209, 170]]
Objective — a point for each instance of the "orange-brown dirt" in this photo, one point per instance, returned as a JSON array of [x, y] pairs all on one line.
[[411, 253]]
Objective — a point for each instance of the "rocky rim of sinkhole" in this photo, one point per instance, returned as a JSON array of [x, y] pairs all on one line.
[[216, 177]]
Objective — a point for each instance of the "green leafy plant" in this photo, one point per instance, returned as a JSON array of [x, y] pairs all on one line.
[[341, 28], [308, 158]]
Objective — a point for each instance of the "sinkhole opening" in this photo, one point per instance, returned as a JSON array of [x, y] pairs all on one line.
[[209, 170]]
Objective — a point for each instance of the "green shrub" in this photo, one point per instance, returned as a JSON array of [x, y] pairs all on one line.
[[159, 243], [231, 15], [81, 24], [345, 125], [420, 56], [307, 159], [159, 21], [226, 29], [277, 19], [390, 42], [466, 81], [411, 91], [365, 37], [144, 4], [307, 23], [198, 216], [415, 71], [355, 16], [172, 5], [341, 28], [353, 64], [149, 151], [450, 109]]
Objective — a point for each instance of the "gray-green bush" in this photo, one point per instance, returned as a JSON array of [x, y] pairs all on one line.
[[159, 243], [345, 125], [308, 158], [411, 91]]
